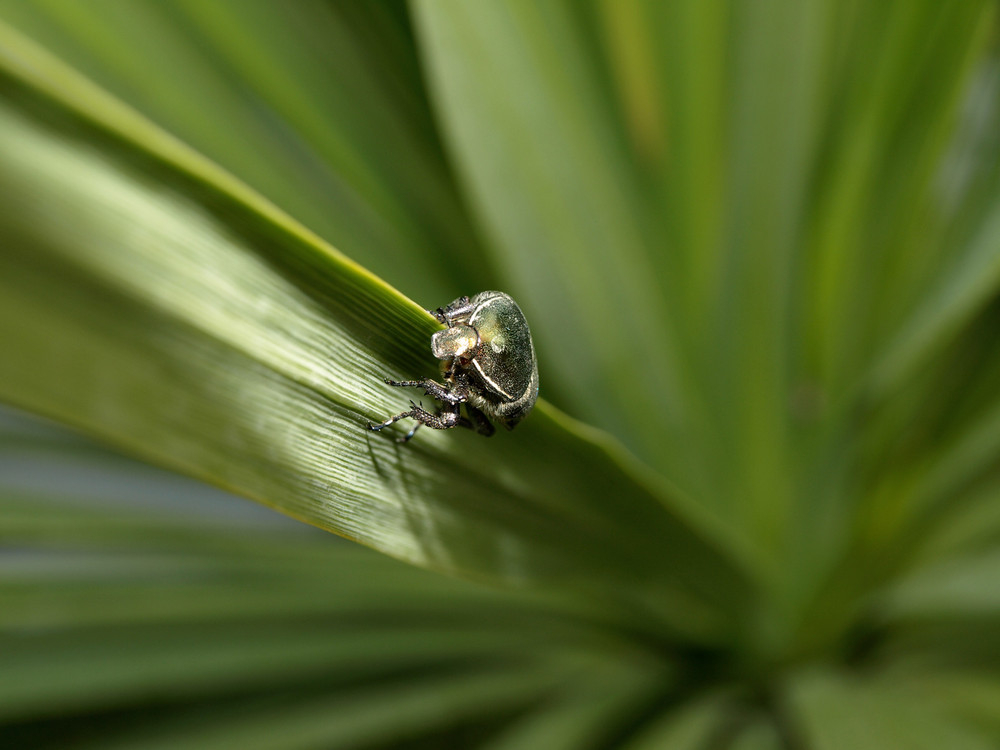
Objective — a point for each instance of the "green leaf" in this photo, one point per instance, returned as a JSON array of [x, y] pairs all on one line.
[[685, 727], [319, 106], [839, 712], [725, 198], [389, 714], [564, 215], [941, 618], [227, 627], [209, 332], [757, 246], [584, 713], [972, 697]]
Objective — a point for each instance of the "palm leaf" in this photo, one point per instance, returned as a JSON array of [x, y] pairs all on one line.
[[758, 247], [273, 347]]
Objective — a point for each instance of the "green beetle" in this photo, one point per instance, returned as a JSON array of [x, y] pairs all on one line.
[[488, 362]]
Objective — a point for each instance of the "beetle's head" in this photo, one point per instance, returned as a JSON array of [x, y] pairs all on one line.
[[457, 341]]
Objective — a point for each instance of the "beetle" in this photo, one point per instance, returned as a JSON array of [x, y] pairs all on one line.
[[487, 362]]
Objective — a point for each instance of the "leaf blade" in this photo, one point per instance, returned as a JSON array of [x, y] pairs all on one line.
[[128, 257]]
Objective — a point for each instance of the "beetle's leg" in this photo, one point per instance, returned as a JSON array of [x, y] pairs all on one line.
[[479, 423], [443, 421], [410, 434], [432, 388], [393, 419], [457, 312]]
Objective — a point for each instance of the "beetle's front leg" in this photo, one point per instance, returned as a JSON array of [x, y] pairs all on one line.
[[434, 389], [457, 312]]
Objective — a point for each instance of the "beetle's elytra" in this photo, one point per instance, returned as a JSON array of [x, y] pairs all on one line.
[[488, 363]]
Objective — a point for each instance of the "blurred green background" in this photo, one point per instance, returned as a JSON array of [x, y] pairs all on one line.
[[758, 505]]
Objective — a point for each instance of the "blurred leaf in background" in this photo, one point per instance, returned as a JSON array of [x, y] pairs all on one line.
[[759, 248]]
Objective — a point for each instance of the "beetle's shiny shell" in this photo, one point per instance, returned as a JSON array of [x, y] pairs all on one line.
[[504, 362], [505, 357]]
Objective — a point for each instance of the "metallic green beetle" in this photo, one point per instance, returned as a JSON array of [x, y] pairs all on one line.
[[488, 362]]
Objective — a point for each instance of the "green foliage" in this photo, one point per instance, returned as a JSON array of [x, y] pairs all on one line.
[[759, 247]]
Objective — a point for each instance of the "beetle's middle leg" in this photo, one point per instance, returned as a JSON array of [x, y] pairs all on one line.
[[434, 389]]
